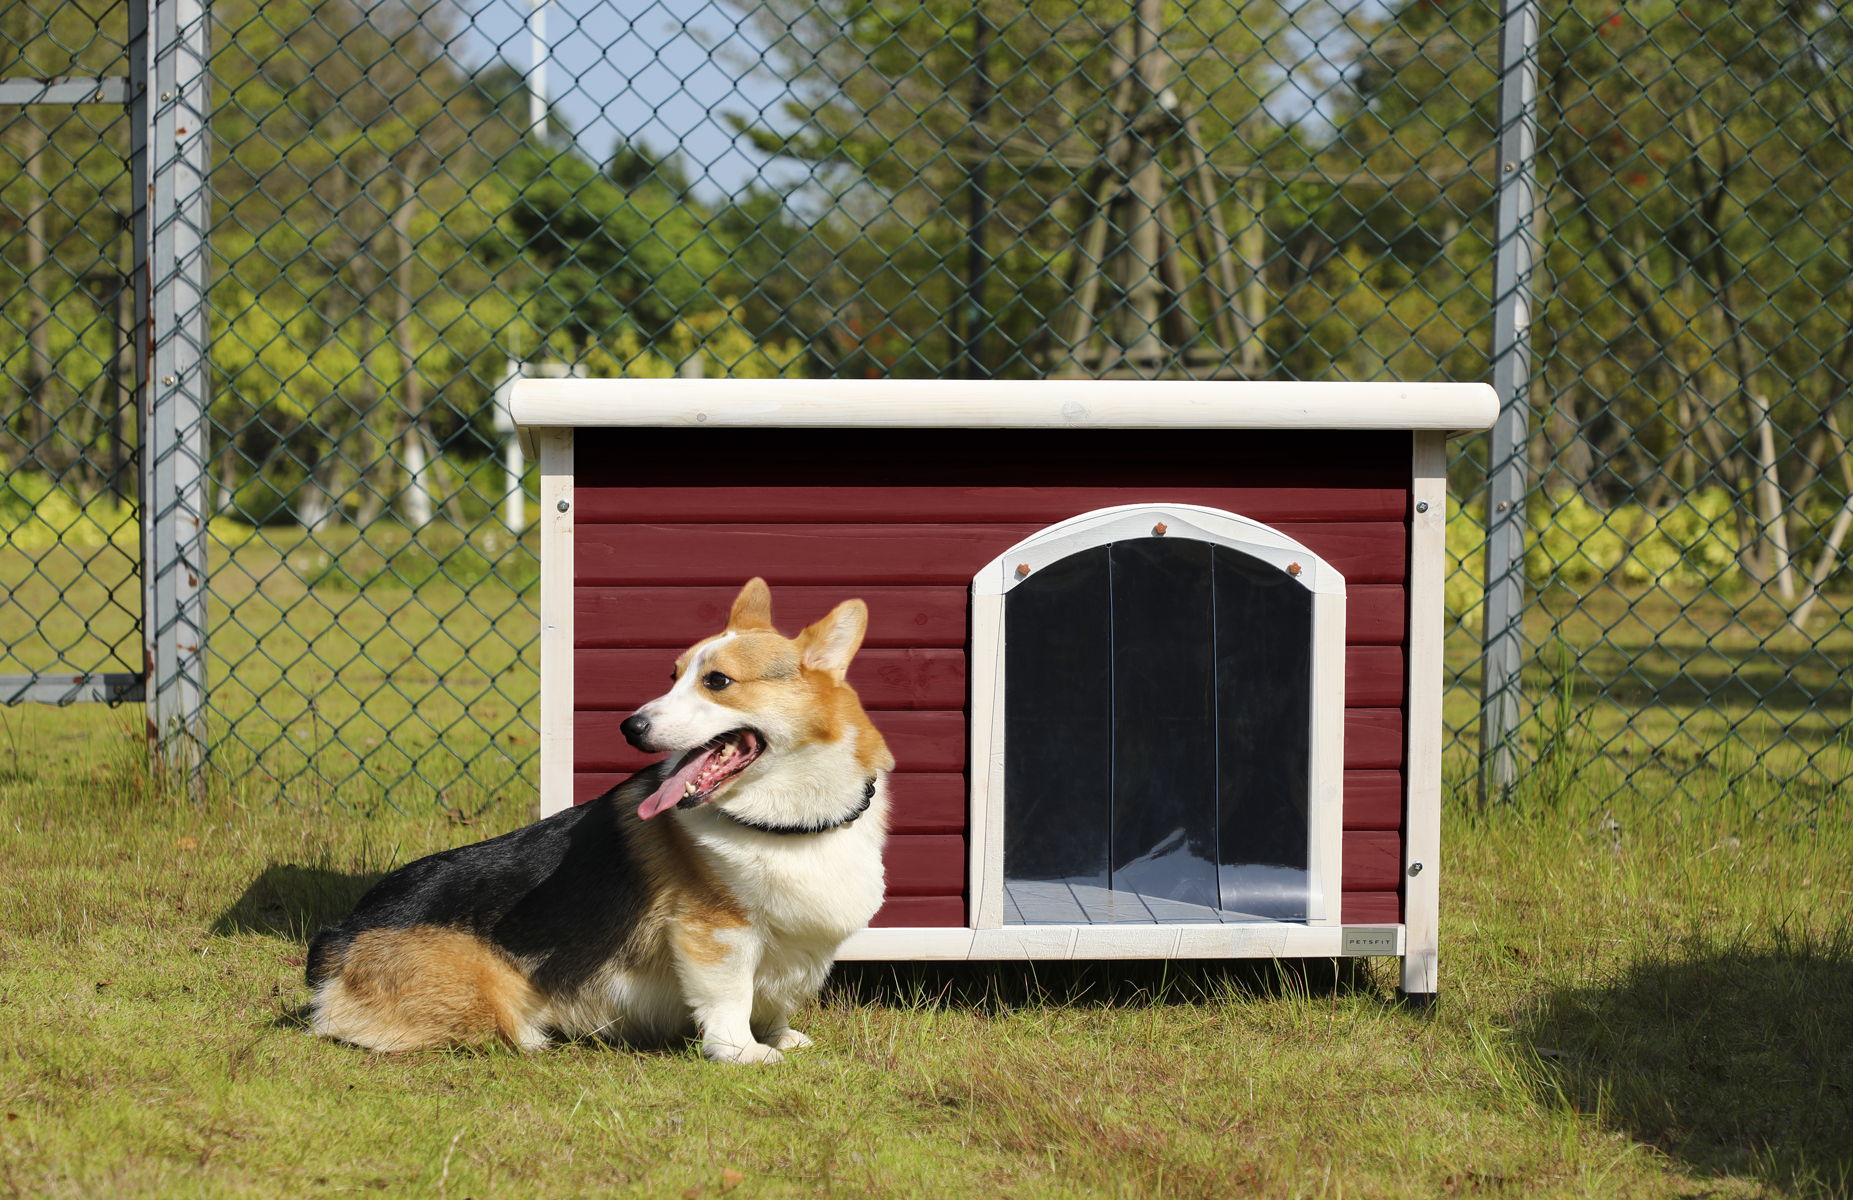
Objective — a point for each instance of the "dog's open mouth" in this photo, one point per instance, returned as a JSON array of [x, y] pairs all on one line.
[[703, 770]]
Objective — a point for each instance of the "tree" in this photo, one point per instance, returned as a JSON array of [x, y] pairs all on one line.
[[1699, 318], [355, 285], [894, 108]]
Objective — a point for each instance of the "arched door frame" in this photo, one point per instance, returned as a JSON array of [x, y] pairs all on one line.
[[1325, 772]]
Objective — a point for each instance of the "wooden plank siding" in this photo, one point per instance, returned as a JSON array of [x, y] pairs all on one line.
[[853, 555], [916, 678], [665, 535], [675, 617]]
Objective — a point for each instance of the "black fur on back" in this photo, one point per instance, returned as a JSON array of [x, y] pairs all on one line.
[[564, 893]]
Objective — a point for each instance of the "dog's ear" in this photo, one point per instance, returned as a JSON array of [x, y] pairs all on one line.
[[829, 645], [752, 608]]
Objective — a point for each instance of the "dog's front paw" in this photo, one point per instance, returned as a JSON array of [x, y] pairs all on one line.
[[752, 1053], [788, 1039]]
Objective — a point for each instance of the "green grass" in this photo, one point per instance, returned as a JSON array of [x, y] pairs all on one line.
[[371, 672], [1648, 983], [1651, 1002]]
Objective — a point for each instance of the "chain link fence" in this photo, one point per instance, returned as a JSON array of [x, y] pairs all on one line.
[[71, 603], [411, 206]]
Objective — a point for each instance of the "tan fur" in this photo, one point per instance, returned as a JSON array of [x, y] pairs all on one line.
[[407, 989], [691, 905], [825, 650], [752, 608]]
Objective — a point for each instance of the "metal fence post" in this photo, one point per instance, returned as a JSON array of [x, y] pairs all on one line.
[[168, 108], [1507, 444]]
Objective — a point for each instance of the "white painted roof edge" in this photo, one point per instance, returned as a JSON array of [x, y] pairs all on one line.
[[1001, 404]]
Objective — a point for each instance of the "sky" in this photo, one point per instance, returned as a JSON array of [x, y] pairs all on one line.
[[659, 71], [664, 72]]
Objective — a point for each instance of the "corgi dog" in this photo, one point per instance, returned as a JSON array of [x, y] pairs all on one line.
[[704, 895]]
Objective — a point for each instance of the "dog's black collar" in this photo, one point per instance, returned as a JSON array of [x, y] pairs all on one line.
[[868, 797]]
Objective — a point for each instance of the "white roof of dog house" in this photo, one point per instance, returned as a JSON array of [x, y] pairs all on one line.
[[1003, 404]]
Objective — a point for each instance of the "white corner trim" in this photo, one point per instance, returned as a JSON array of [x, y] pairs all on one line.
[[555, 447], [1422, 754], [1261, 939], [516, 371], [1003, 404]]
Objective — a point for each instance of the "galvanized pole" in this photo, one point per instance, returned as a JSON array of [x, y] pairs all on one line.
[[1507, 481], [168, 107], [514, 462]]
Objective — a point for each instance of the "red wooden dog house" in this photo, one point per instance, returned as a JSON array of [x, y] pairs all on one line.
[[1159, 662]]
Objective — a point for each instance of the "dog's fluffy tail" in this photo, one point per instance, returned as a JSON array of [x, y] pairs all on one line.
[[406, 989]]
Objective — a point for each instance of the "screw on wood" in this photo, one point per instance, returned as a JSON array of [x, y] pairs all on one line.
[[1022, 570], [1293, 569], [1158, 530]]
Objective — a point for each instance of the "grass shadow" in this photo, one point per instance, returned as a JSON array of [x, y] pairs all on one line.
[[1731, 1062], [292, 902], [1004, 986]]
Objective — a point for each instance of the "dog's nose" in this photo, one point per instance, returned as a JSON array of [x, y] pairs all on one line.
[[635, 728]]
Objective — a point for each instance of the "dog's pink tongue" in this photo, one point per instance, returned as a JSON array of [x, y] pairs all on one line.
[[674, 787]]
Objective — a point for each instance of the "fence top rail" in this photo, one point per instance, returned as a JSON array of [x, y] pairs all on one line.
[[1002, 404]]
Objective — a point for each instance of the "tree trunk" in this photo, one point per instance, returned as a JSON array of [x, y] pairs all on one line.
[[375, 457], [1773, 516], [514, 462], [226, 504], [1253, 242], [319, 511], [1836, 536], [417, 509], [454, 483], [371, 439], [38, 355], [415, 453], [1180, 326], [1144, 207], [1571, 466]]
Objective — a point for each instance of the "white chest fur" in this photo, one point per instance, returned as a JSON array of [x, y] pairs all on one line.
[[808, 888]]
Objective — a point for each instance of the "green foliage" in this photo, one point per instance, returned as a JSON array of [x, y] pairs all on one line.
[[36, 514], [1464, 589], [1689, 545], [1686, 548], [717, 340], [358, 159], [624, 251]]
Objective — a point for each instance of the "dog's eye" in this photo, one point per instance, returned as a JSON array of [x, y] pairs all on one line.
[[715, 681]]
